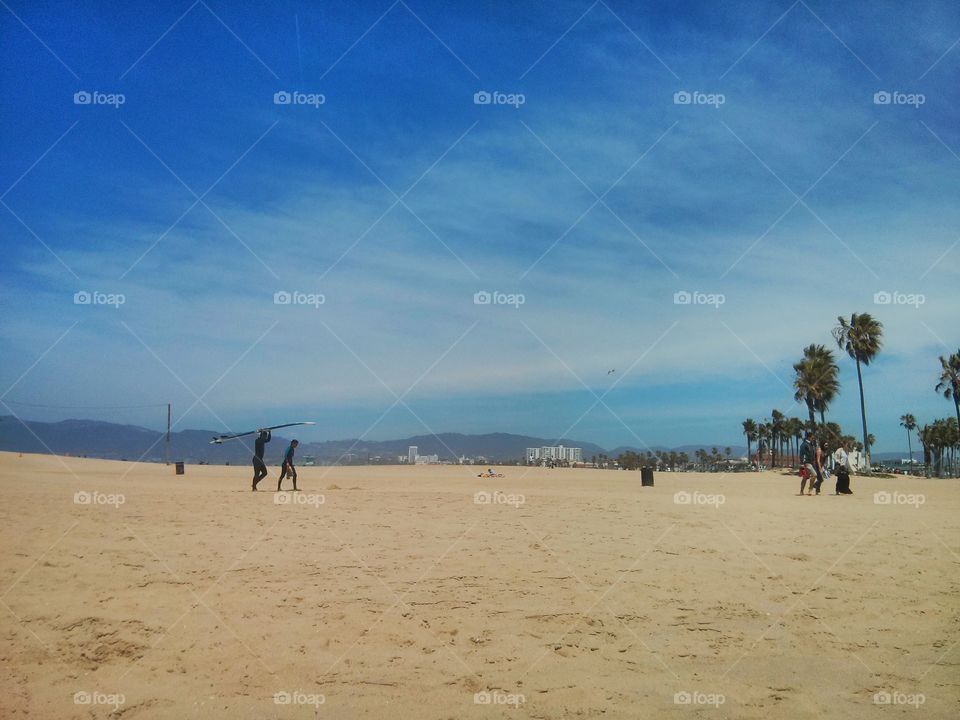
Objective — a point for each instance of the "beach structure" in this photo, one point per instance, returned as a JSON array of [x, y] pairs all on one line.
[[553, 454]]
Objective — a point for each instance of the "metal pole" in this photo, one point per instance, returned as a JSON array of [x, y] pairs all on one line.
[[168, 433]]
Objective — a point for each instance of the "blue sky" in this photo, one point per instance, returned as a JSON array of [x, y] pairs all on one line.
[[797, 198]]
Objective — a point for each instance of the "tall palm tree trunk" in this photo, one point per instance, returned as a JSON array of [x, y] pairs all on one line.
[[863, 416], [910, 447]]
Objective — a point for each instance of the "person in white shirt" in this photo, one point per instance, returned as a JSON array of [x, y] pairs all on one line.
[[841, 463]]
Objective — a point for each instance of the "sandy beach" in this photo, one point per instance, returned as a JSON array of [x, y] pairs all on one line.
[[398, 592]]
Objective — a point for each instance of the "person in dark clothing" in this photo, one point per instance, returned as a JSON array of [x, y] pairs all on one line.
[[841, 463], [807, 460], [259, 467], [818, 465], [288, 468]]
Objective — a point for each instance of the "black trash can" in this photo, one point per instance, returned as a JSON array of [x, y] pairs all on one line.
[[179, 467], [646, 477]]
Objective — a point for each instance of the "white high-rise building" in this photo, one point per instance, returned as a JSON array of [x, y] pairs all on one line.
[[554, 453], [412, 454]]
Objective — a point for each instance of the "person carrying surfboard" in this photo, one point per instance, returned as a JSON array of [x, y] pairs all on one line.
[[288, 468], [259, 467]]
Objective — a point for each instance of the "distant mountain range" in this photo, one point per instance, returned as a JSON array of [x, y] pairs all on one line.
[[111, 441]]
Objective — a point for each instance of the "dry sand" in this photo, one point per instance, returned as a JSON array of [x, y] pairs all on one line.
[[401, 597]]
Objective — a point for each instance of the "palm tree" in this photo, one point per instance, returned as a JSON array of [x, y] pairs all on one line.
[[805, 385], [763, 434], [949, 383], [862, 338], [939, 436], [952, 441], [909, 422], [750, 430], [796, 429], [776, 433], [828, 386], [702, 458], [816, 382]]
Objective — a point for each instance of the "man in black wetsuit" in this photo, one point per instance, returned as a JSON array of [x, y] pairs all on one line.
[[288, 468], [259, 468]]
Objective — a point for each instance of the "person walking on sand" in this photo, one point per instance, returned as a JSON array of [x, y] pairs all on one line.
[[818, 465], [259, 468], [288, 468], [806, 463], [841, 461]]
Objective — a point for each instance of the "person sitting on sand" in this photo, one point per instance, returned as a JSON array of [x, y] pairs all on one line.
[[259, 468], [841, 462], [806, 463], [288, 468]]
